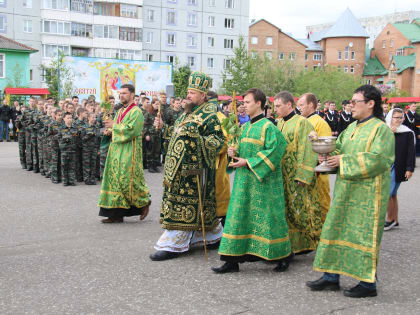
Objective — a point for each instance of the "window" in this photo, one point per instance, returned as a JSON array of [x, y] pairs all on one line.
[[191, 61], [105, 31], [149, 37], [149, 57], [171, 39], [307, 56], [317, 56], [384, 44], [226, 63], [192, 19], [2, 65], [171, 18], [281, 56], [56, 27], [212, 3], [368, 81], [150, 15], [228, 43], [253, 54], [82, 6], [210, 63], [170, 58], [391, 44], [130, 54], [306, 68], [27, 4], [56, 4], [212, 21], [192, 40], [131, 34], [3, 23], [340, 55], [292, 56], [229, 23], [269, 40], [346, 69], [31, 75], [269, 55], [353, 55], [346, 53], [82, 30], [352, 69], [79, 52], [106, 53], [106, 9], [27, 26], [128, 10], [210, 41], [254, 40], [192, 2], [52, 50], [229, 4], [400, 52]]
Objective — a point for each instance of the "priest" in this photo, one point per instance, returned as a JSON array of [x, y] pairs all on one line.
[[124, 191]]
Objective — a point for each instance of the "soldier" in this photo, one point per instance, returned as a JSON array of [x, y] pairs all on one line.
[[55, 164], [21, 137], [152, 137], [90, 147], [67, 135], [34, 135], [104, 143], [26, 122], [79, 123], [48, 151], [45, 120], [39, 120]]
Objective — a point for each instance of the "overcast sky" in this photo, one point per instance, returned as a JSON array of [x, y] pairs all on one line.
[[293, 16]]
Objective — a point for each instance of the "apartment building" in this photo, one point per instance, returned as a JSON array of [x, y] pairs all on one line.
[[199, 33]]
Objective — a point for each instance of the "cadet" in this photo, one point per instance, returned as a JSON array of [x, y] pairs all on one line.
[[79, 123], [26, 122], [67, 135], [45, 119], [90, 149], [53, 129], [152, 137], [105, 140], [47, 138], [21, 137], [35, 123]]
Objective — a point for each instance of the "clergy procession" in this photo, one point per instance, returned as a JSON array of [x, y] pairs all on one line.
[[279, 206]]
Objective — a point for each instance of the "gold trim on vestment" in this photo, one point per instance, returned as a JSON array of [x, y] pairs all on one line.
[[255, 237], [252, 140], [255, 254], [343, 273], [372, 135], [362, 164], [348, 244], [375, 224], [305, 167], [267, 161], [250, 167]]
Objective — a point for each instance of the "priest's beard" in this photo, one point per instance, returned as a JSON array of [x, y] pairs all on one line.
[[188, 107]]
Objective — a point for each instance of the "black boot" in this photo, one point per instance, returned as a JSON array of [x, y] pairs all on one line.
[[282, 265], [226, 268], [360, 291], [322, 284]]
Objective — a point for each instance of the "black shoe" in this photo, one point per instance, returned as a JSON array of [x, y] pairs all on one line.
[[322, 284], [36, 170], [24, 167], [156, 169], [72, 184], [79, 180], [152, 170], [42, 173], [30, 169], [163, 255], [304, 252], [213, 246], [360, 291], [66, 184], [282, 266], [47, 176], [389, 225], [226, 267]]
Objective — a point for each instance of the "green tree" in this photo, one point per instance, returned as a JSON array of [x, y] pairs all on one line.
[[241, 74], [59, 77], [180, 79]]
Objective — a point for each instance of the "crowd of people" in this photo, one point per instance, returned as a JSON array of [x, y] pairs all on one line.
[[279, 206]]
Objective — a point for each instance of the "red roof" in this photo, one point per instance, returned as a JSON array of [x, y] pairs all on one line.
[[404, 100], [26, 91]]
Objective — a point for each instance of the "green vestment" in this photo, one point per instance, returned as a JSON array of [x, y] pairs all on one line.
[[123, 183], [352, 232], [195, 143], [303, 212], [255, 222]]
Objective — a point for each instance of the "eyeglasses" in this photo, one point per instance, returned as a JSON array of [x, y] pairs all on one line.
[[400, 117], [354, 102]]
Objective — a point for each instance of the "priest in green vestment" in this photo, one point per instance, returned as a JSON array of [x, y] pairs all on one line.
[[123, 190], [256, 227], [352, 232], [190, 175], [303, 212]]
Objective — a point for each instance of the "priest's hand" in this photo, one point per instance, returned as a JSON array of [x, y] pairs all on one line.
[[321, 158], [158, 123], [232, 152], [109, 123], [408, 175], [240, 162], [333, 161], [108, 132]]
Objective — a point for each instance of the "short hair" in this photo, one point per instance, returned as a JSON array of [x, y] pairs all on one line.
[[92, 114], [285, 97], [130, 87], [57, 110], [33, 98], [49, 98], [258, 96], [68, 114], [136, 95], [144, 98], [111, 97], [144, 93], [311, 98], [74, 96], [398, 110], [155, 99], [371, 93], [345, 102], [80, 110], [212, 94]]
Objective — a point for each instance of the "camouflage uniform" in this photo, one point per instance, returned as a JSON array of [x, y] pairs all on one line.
[[104, 146], [169, 116], [34, 140], [26, 122], [79, 124], [21, 140], [152, 147], [55, 163], [67, 143], [90, 147], [45, 145]]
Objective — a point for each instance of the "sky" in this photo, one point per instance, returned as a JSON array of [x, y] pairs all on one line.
[[292, 16]]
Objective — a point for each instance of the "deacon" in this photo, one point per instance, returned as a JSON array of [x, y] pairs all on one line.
[[190, 174], [303, 212], [256, 227], [351, 235], [124, 191], [307, 104]]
